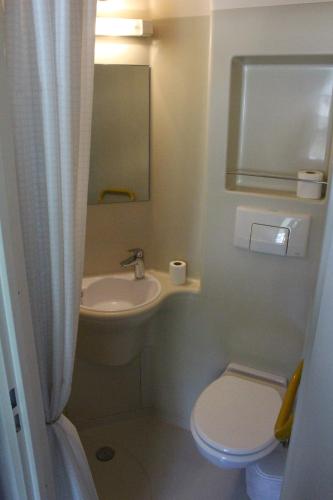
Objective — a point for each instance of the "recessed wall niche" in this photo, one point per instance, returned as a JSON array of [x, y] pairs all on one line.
[[280, 121]]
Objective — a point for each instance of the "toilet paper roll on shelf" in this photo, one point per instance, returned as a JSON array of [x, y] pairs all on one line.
[[311, 190], [177, 272]]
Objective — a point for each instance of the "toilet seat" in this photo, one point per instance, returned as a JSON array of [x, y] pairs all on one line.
[[227, 460], [233, 420]]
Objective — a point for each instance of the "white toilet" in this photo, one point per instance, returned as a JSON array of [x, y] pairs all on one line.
[[233, 419]]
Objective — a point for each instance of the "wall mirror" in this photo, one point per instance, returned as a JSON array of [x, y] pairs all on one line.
[[119, 159]]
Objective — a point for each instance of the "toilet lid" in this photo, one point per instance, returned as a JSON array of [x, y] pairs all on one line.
[[237, 415]]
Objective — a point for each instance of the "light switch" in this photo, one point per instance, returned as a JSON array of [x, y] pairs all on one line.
[[269, 239]]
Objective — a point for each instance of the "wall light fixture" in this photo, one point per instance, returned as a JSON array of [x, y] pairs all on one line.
[[111, 26]]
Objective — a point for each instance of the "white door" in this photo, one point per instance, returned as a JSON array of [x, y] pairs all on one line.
[[12, 480], [24, 456], [309, 472]]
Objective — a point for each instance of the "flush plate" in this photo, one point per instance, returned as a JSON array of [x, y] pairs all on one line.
[[269, 239], [297, 225]]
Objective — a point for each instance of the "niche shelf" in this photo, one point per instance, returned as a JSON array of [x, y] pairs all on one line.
[[280, 121]]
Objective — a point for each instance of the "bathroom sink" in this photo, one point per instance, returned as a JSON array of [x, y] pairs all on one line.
[[118, 292], [113, 311]]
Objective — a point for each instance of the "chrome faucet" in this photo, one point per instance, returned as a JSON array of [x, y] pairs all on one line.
[[136, 261]]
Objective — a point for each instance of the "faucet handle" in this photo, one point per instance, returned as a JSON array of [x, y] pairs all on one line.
[[138, 252]]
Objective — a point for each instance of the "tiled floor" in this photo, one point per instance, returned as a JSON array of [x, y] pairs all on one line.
[[156, 461]]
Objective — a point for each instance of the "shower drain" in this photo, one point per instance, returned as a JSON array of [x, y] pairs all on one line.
[[105, 453]]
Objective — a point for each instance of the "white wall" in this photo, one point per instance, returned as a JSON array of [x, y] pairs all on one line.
[[124, 8], [179, 115], [168, 226], [117, 51], [179, 8], [254, 308], [265, 299], [188, 8], [189, 352], [273, 316], [240, 4]]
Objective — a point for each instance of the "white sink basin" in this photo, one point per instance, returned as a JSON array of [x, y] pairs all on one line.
[[118, 292], [113, 310]]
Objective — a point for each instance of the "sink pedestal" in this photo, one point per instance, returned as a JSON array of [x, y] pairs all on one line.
[[112, 342]]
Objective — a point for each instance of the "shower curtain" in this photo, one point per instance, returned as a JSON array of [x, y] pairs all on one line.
[[50, 56]]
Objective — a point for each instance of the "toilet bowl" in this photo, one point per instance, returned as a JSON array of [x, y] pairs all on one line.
[[233, 419]]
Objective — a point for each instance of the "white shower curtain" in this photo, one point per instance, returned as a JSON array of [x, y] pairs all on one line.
[[49, 48]]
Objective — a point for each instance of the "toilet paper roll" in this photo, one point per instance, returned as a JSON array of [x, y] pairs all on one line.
[[177, 271], [309, 190]]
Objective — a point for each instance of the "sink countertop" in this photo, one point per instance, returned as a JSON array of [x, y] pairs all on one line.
[[167, 290]]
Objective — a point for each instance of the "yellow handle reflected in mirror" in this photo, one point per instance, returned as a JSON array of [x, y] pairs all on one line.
[[121, 192], [285, 418]]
